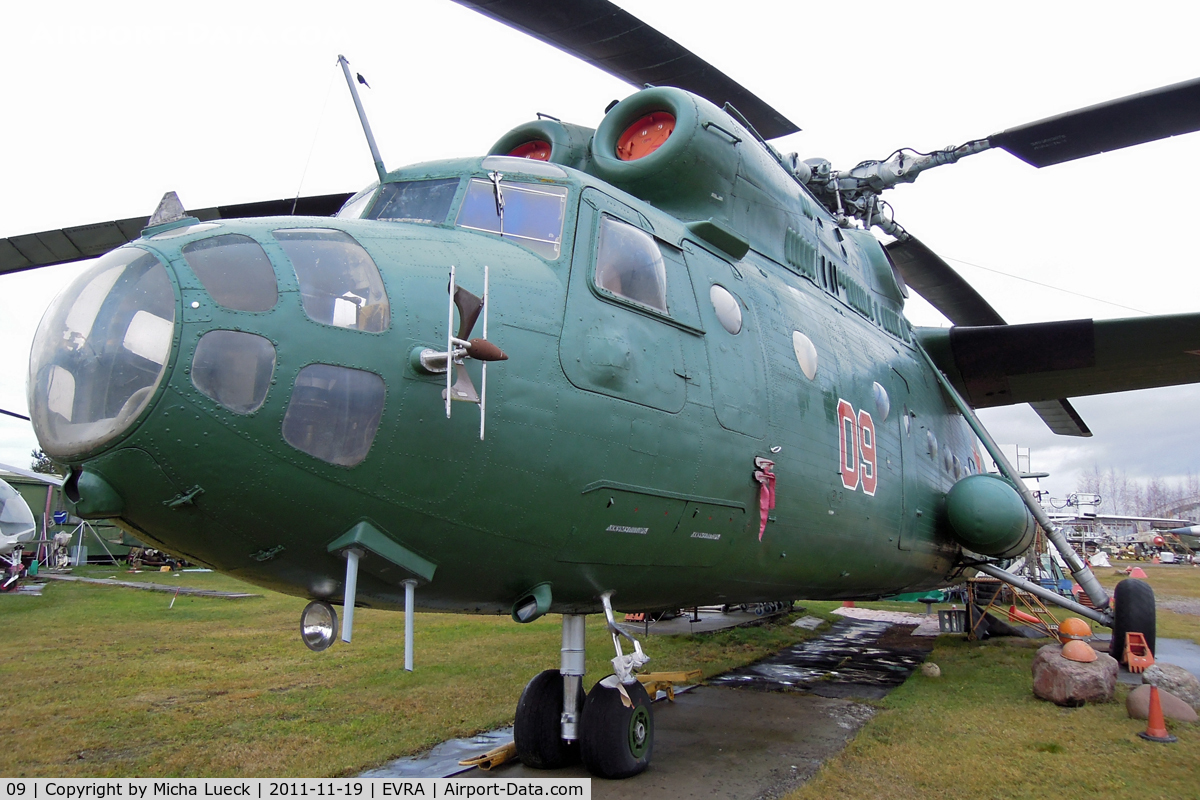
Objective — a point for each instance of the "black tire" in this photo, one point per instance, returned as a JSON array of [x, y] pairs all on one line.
[[1133, 610], [537, 731], [616, 741]]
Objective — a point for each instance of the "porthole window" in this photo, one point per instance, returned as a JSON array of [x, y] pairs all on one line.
[[729, 311], [334, 413], [234, 369], [931, 442], [883, 404], [630, 265], [806, 354], [234, 270], [339, 283]]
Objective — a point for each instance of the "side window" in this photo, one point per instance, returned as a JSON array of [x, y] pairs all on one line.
[[531, 214], [339, 283], [415, 201], [354, 207], [235, 271], [334, 412], [234, 369], [629, 264]]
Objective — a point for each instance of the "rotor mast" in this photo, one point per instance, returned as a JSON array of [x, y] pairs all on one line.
[[854, 193]]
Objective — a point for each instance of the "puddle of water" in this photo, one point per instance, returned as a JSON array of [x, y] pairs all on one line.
[[442, 760], [847, 661]]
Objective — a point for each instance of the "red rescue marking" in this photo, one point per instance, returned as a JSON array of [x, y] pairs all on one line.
[[848, 444]]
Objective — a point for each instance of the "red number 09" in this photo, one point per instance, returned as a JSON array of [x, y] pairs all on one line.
[[856, 447]]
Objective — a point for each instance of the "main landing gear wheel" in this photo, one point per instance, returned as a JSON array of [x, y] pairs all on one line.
[[538, 728], [1133, 610], [616, 741]]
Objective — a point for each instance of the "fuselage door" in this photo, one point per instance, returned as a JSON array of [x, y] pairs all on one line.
[[630, 308], [735, 359]]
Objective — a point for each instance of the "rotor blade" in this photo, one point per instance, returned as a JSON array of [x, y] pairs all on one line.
[[1061, 418], [937, 282], [53, 480], [1136, 119], [949, 293], [32, 250], [612, 39]]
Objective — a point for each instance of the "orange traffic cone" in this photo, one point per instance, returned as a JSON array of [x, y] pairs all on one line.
[[1156, 728]]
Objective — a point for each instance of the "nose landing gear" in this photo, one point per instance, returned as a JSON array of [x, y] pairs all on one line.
[[617, 735], [611, 729]]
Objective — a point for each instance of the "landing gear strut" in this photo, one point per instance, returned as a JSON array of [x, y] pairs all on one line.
[[611, 729], [546, 730]]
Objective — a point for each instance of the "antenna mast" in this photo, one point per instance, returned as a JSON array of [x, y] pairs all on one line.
[[362, 117]]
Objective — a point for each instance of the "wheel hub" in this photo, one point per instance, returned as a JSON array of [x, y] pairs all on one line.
[[639, 725]]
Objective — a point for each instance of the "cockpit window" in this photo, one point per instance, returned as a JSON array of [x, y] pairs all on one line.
[[334, 413], [339, 283], [101, 351], [235, 271], [234, 369], [415, 201], [354, 207], [630, 265], [529, 213]]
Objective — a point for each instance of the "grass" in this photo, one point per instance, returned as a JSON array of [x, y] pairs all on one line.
[[102, 681], [105, 681], [978, 731]]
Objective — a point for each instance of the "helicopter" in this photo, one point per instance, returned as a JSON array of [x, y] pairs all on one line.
[[655, 363]]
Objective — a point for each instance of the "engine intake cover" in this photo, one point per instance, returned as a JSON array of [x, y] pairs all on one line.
[[689, 170]]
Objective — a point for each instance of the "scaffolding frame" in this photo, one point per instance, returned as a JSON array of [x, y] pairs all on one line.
[[1001, 598]]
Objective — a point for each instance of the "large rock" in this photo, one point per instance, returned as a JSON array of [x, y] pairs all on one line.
[[1071, 683], [1138, 705], [1176, 680]]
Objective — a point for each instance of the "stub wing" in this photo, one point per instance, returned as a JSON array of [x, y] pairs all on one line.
[[999, 365]]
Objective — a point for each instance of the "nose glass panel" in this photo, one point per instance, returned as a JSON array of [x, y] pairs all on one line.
[[234, 368], [235, 271], [339, 283], [100, 352]]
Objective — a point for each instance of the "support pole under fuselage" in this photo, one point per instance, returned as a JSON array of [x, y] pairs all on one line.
[[410, 587], [348, 599]]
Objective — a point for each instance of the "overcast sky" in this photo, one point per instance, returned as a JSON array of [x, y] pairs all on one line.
[[107, 106]]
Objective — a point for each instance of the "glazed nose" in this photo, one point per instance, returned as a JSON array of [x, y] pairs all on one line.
[[100, 353]]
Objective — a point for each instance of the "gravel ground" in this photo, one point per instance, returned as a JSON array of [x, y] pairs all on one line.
[[1181, 605]]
